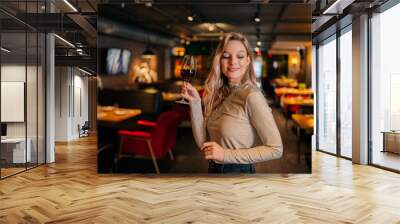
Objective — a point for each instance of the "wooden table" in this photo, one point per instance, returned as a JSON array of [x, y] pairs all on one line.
[[284, 91], [167, 96], [115, 114], [304, 121], [283, 82], [297, 101], [391, 141], [295, 91], [304, 129]]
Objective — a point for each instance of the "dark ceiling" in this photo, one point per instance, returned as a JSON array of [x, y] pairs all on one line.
[[278, 21]]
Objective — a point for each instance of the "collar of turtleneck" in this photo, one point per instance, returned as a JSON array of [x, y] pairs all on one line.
[[235, 85]]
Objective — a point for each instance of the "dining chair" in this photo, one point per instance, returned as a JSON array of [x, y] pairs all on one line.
[[155, 142]]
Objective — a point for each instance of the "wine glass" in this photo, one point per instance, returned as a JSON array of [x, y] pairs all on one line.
[[188, 71]]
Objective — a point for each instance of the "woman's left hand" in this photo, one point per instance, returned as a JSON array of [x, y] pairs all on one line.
[[213, 150]]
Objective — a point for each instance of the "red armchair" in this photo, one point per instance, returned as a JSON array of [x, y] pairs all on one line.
[[154, 143]]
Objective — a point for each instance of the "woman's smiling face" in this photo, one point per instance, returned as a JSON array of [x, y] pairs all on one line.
[[234, 61]]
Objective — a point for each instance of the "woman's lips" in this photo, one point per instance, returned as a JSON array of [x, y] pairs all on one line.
[[233, 69]]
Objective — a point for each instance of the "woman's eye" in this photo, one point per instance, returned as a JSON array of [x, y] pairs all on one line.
[[225, 56]]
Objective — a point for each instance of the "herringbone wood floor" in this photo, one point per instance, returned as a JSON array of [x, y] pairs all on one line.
[[70, 191]]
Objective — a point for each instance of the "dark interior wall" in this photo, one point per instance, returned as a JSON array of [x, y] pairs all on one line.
[[137, 48]]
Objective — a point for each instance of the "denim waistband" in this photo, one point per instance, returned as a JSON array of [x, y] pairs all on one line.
[[230, 168]]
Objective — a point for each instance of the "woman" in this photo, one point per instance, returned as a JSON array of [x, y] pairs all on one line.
[[238, 128]]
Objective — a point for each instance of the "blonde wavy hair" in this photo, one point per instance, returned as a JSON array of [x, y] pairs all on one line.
[[217, 84]]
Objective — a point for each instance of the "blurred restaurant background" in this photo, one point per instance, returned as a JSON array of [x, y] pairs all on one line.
[[57, 85], [140, 52]]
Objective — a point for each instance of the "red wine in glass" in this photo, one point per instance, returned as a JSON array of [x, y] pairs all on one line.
[[187, 74], [188, 71]]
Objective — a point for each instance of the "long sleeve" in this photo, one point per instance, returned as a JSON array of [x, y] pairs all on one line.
[[198, 127], [262, 120]]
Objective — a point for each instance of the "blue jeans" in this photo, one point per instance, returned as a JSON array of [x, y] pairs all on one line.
[[230, 168]]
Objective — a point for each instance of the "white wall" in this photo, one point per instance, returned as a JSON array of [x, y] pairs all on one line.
[[33, 127], [16, 73], [61, 103], [71, 102]]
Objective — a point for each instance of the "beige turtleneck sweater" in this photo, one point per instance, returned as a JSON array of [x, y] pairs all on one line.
[[242, 124]]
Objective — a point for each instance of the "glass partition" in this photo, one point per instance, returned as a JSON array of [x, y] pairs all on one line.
[[14, 153], [327, 96], [31, 98], [385, 89], [346, 93], [22, 92]]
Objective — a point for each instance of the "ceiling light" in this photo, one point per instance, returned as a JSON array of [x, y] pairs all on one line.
[[257, 18], [148, 4], [258, 43], [190, 18], [338, 6], [43, 7], [84, 71], [79, 50], [147, 53], [333, 6], [64, 40], [187, 42], [5, 50], [70, 5]]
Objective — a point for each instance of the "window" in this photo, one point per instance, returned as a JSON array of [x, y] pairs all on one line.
[[346, 93], [385, 88], [22, 77], [327, 96]]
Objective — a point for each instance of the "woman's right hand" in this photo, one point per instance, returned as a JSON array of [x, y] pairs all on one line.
[[189, 93]]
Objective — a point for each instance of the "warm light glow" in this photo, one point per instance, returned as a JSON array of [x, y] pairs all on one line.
[[178, 51], [257, 19], [211, 28], [258, 43], [295, 61], [190, 18], [147, 56]]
